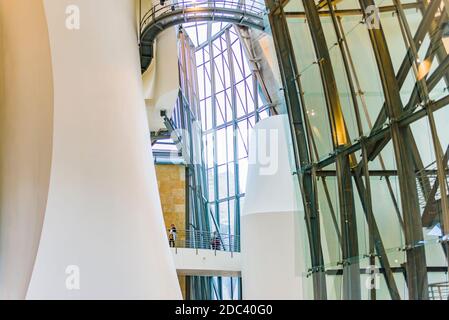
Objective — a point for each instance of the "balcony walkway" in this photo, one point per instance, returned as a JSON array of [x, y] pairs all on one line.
[[207, 262], [161, 17], [199, 253]]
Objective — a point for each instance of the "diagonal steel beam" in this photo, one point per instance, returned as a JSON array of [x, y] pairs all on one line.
[[356, 87], [352, 11], [295, 108], [441, 71], [423, 91], [325, 4], [404, 121], [436, 42], [261, 68], [415, 96], [431, 210], [340, 137], [429, 20], [416, 259], [423, 29], [378, 243], [431, 83], [429, 25], [375, 241]]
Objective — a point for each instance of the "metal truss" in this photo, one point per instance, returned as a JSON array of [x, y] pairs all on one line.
[[392, 124], [417, 204]]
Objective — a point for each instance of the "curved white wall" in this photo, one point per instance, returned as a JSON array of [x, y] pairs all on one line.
[[161, 80], [26, 115], [272, 259], [103, 214]]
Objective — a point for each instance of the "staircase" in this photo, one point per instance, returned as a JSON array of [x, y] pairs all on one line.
[[430, 200]]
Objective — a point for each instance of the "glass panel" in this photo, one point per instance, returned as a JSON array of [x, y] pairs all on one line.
[[225, 97], [243, 172], [221, 146], [223, 181], [224, 217]]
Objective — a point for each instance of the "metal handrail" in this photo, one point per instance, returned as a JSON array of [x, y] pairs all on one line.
[[172, 13], [432, 178], [255, 8], [197, 239], [439, 291]]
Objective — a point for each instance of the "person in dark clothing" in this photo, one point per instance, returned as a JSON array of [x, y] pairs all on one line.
[[215, 242], [172, 236]]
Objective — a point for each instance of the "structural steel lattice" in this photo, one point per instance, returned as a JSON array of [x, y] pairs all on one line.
[[393, 124]]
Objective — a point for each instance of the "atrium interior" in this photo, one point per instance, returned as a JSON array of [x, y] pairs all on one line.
[[224, 150]]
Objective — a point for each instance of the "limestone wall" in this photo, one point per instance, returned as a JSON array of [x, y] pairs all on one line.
[[171, 182]]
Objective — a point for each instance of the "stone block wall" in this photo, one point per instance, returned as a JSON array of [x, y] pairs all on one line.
[[171, 182]]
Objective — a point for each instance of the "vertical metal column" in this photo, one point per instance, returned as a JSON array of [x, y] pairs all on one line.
[[234, 136], [214, 127], [375, 241], [340, 137], [416, 259], [295, 108], [422, 85]]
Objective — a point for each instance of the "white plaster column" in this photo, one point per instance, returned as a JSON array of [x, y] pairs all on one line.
[[26, 127], [161, 80], [103, 216], [272, 250]]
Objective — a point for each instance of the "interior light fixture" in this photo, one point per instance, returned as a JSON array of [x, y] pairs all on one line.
[[311, 112]]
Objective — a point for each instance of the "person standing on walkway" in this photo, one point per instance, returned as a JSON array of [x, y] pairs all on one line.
[[172, 236], [215, 242]]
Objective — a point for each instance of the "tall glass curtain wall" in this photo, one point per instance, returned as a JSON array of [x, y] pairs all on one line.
[[228, 108], [228, 105], [229, 102], [186, 118], [360, 115]]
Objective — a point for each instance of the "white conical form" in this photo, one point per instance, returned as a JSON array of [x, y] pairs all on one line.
[[272, 251], [103, 235]]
